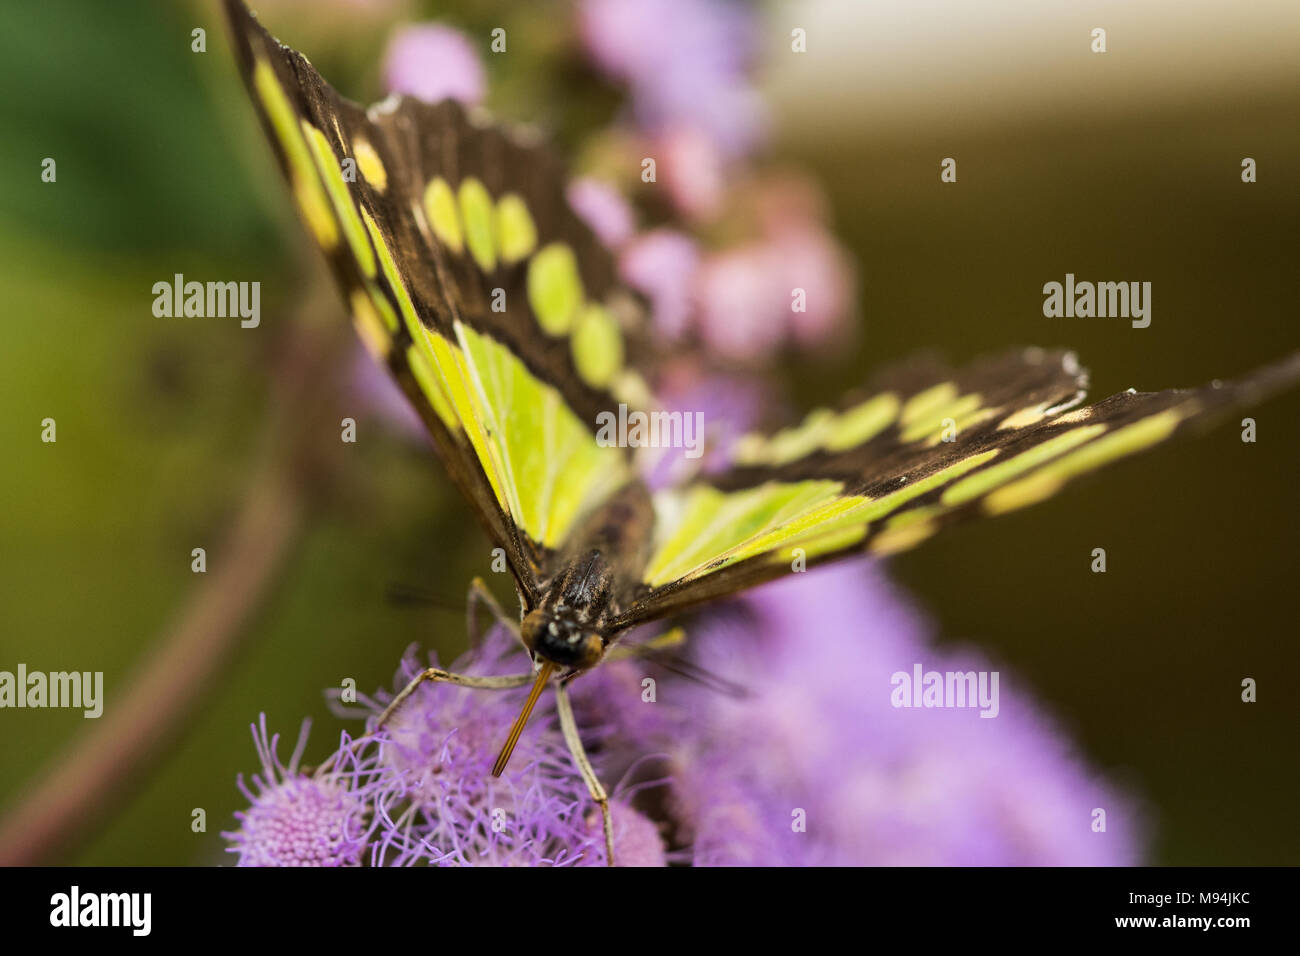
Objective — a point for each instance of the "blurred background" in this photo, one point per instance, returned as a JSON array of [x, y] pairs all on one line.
[[1119, 166]]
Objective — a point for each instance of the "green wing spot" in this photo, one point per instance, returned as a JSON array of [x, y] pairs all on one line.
[[552, 466], [712, 523], [453, 369], [480, 230], [967, 420], [307, 190], [822, 429], [281, 113], [719, 528], [749, 449], [847, 518], [1124, 441], [469, 390], [440, 208], [924, 404], [394, 277], [632, 390], [370, 165], [370, 325], [427, 378], [863, 422], [929, 422], [902, 531], [906, 530], [1023, 418], [685, 517], [554, 288], [491, 394], [814, 517], [515, 229], [441, 397], [577, 473], [597, 345], [385, 308], [985, 481], [328, 165], [914, 515], [895, 539], [827, 543], [794, 443]]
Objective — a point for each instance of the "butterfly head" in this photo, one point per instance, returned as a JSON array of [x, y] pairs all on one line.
[[563, 636]]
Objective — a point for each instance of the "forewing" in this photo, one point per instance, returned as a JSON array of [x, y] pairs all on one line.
[[469, 276]]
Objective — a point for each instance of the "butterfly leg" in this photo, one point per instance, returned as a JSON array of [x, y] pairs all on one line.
[[505, 682], [481, 596], [594, 786]]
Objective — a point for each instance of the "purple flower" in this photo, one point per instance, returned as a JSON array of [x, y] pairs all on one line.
[[743, 302], [694, 172], [662, 265], [383, 398], [609, 707], [433, 62], [723, 407], [437, 801], [637, 840], [442, 805], [603, 209], [820, 744], [814, 765], [685, 62], [294, 819], [812, 261], [422, 792], [794, 286]]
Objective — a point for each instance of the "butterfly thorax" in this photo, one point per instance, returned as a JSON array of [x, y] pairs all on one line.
[[573, 623], [568, 627]]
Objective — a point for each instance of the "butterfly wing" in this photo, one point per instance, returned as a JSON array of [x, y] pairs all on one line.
[[927, 448], [501, 315], [469, 276]]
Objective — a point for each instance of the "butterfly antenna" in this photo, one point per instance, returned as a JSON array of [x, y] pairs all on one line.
[[517, 728], [699, 675], [406, 595]]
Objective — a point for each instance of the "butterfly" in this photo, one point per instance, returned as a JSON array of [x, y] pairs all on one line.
[[503, 318]]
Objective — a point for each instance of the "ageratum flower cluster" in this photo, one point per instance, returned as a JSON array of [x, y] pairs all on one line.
[[810, 765], [421, 792], [295, 819]]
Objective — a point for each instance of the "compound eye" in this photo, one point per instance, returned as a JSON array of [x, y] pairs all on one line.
[[532, 627], [591, 650]]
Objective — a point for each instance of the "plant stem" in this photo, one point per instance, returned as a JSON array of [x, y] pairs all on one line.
[[100, 767]]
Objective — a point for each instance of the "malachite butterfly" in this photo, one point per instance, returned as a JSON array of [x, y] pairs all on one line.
[[448, 210]]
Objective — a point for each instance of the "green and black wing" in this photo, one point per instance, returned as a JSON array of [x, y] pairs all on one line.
[[467, 274], [502, 317], [926, 447]]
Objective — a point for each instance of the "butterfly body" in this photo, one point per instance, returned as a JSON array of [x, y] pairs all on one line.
[[581, 605], [571, 626]]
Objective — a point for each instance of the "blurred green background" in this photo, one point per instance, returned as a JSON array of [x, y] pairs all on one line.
[[161, 169]]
